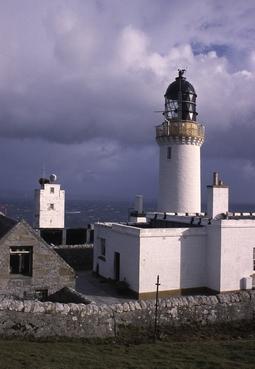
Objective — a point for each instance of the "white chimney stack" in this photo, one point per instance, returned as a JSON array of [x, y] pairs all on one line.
[[138, 204], [217, 197]]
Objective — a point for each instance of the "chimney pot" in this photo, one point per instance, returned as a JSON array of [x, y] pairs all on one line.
[[215, 178]]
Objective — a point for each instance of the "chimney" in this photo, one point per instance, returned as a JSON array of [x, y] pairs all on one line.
[[138, 204], [217, 197], [215, 178], [136, 215]]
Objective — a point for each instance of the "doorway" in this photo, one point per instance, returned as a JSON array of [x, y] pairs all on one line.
[[117, 266]]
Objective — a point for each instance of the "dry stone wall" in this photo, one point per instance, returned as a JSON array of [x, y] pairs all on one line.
[[47, 319]]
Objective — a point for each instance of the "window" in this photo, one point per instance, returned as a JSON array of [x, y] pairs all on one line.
[[41, 294], [52, 190], [169, 152], [51, 206], [254, 258], [102, 246], [21, 259]]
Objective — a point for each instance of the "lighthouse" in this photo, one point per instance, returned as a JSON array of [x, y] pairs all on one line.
[[180, 138]]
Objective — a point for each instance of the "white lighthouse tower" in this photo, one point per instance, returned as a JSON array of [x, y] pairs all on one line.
[[180, 138], [49, 204]]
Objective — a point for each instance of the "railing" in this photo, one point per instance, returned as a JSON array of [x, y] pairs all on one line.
[[181, 129]]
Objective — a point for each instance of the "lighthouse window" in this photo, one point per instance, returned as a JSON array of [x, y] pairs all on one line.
[[254, 258], [52, 206], [52, 190], [169, 152]]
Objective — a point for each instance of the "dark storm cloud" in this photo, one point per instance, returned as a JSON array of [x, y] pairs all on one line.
[[101, 171], [82, 79], [69, 113]]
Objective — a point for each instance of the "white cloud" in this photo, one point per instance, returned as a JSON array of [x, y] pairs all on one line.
[[132, 48]]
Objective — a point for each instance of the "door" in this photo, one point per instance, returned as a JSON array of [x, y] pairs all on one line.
[[117, 266]]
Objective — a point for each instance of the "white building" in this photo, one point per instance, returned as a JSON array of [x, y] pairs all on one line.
[[189, 250], [49, 204]]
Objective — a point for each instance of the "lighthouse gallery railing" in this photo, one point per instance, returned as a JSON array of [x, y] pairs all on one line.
[[181, 129]]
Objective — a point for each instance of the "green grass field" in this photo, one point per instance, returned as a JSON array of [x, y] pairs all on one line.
[[210, 354], [182, 349]]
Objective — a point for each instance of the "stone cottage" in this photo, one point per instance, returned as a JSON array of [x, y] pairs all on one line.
[[28, 266]]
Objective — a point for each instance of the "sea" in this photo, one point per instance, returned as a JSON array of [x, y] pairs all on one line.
[[80, 213]]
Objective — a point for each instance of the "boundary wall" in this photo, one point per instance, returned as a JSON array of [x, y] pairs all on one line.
[[47, 319]]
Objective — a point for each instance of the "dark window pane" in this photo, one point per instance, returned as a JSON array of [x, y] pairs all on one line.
[[169, 153]]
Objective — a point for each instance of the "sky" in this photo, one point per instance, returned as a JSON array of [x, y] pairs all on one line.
[[80, 81]]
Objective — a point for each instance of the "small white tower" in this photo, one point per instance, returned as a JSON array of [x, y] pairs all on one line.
[[49, 204], [180, 138]]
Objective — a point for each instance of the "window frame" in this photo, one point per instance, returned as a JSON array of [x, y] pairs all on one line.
[[102, 248], [41, 294], [169, 152], [21, 261]]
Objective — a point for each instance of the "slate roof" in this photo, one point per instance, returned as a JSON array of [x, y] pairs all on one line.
[[6, 224]]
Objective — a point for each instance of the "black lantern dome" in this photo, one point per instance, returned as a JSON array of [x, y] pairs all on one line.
[[180, 100]]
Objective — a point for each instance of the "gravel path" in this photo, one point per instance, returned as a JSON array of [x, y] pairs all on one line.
[[97, 290]]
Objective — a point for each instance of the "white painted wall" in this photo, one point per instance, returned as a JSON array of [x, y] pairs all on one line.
[[179, 178], [138, 219], [45, 216], [122, 239], [237, 243], [217, 256], [217, 200], [177, 255], [213, 256]]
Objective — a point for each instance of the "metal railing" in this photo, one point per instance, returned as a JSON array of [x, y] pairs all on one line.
[[181, 129]]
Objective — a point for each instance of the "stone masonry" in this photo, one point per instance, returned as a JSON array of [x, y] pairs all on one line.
[[49, 272], [47, 319]]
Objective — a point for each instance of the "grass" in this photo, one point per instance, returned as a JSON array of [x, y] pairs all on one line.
[[61, 355], [207, 349]]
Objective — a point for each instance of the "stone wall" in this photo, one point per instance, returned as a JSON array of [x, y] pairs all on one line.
[[47, 319]]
